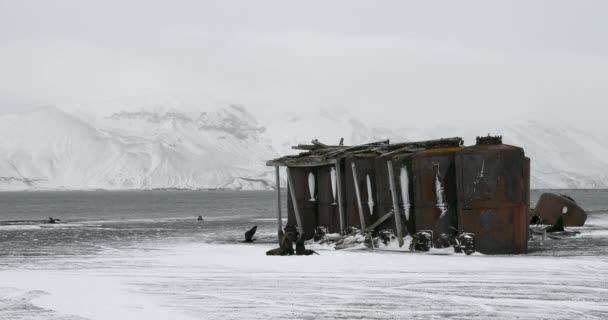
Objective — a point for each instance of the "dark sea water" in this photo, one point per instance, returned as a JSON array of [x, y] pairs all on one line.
[[101, 220], [112, 235]]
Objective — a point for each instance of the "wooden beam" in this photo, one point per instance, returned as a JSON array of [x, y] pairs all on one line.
[[299, 164], [339, 192], [294, 202], [379, 222], [391, 180], [279, 218], [358, 195]]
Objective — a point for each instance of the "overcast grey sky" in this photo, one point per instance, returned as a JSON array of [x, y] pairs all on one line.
[[390, 62]]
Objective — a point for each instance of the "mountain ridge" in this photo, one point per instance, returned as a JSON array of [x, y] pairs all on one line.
[[226, 148]]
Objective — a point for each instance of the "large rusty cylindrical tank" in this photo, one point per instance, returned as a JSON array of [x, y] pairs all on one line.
[[552, 206], [434, 184], [493, 193]]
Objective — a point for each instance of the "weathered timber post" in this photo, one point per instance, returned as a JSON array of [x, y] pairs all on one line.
[[391, 180], [294, 202], [279, 218], [358, 195], [339, 193]]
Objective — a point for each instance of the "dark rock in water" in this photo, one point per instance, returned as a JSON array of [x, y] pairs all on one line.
[[249, 234]]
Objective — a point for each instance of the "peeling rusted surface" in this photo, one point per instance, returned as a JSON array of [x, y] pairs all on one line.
[[364, 166], [328, 215], [434, 190], [493, 197], [308, 209], [552, 206]]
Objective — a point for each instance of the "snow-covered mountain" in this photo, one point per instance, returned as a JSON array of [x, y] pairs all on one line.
[[48, 148]]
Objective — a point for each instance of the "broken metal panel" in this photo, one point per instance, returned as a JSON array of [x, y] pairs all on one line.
[[308, 209], [434, 184], [552, 206], [364, 166], [328, 213], [492, 197], [384, 202]]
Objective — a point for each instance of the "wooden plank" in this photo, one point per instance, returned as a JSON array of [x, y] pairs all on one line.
[[339, 192], [358, 195], [294, 202], [279, 218], [379, 222], [391, 180]]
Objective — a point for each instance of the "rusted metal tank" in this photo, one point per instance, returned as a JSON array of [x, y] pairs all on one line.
[[328, 213], [434, 190], [552, 206], [305, 180], [493, 195], [402, 169], [364, 166]]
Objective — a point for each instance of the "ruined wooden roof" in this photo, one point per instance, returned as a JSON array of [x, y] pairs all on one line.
[[318, 153]]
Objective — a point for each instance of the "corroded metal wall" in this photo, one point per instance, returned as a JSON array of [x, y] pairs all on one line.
[[385, 201], [365, 166], [308, 209], [328, 214], [383, 194], [493, 196], [550, 207], [434, 184]]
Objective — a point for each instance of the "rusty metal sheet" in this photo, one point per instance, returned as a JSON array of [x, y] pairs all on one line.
[[308, 209], [365, 167], [434, 186], [402, 166], [552, 206], [328, 215], [493, 193], [498, 230], [383, 194]]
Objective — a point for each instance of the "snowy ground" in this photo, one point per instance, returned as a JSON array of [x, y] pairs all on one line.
[[207, 281]]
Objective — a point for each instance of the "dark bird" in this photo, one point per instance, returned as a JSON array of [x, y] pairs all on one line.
[[249, 234]]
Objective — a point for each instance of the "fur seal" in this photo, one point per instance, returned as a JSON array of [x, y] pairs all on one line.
[[249, 234], [286, 244], [301, 249]]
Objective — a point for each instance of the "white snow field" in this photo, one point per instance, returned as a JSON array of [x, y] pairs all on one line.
[[47, 148], [206, 281]]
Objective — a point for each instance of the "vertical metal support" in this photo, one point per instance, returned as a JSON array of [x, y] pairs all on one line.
[[339, 192], [358, 194], [279, 218], [294, 202], [391, 181]]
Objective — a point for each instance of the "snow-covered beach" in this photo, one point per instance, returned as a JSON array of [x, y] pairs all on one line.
[[177, 268], [206, 281]]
